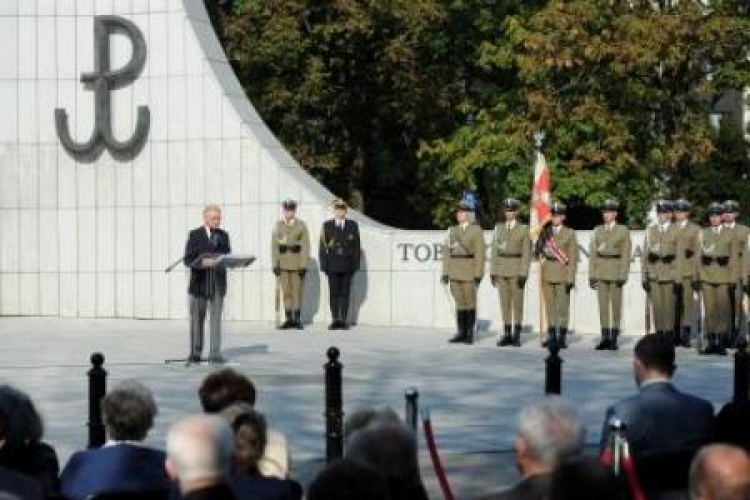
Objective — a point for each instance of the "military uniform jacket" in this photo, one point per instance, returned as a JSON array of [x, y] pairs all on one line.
[[339, 250], [739, 234], [463, 253], [290, 245], [714, 263], [687, 251], [200, 243], [511, 251], [609, 253], [659, 258], [553, 271]]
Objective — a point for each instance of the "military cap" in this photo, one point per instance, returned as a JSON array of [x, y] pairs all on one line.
[[664, 206], [289, 204], [610, 205], [715, 208], [511, 205], [731, 206], [682, 205], [463, 206], [558, 209], [339, 204]]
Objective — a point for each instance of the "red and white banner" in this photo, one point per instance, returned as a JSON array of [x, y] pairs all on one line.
[[540, 191]]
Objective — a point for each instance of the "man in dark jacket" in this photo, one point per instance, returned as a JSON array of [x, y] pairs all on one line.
[[208, 282], [339, 255]]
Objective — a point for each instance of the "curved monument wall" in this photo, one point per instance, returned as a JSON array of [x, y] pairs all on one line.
[[90, 235]]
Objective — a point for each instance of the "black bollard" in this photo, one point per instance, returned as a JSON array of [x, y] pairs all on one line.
[[334, 406], [97, 389], [553, 370], [741, 373], [412, 408]]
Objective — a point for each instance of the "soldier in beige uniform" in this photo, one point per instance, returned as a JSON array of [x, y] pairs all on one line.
[[609, 265], [290, 253], [659, 270], [509, 269], [687, 251], [739, 234], [463, 268], [713, 279], [557, 249]]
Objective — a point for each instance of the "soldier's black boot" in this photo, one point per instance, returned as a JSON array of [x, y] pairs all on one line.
[[685, 336], [297, 320], [710, 344], [563, 340], [471, 319], [506, 340], [460, 324], [343, 314], [517, 336], [721, 342], [604, 343], [289, 321], [334, 314], [551, 337], [676, 337], [613, 334]]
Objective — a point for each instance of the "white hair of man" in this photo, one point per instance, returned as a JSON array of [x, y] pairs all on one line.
[[199, 448], [552, 430], [211, 208]]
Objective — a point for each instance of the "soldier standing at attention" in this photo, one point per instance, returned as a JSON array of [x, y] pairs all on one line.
[[557, 248], [290, 251], [739, 234], [659, 270], [609, 265], [339, 255], [463, 268], [713, 279], [686, 253], [509, 268]]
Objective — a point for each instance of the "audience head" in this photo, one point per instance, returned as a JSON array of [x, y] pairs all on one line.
[[128, 411], [720, 472], [549, 431], [250, 436], [223, 388], [348, 480], [390, 448], [653, 358], [584, 478], [199, 451], [20, 423], [362, 419]]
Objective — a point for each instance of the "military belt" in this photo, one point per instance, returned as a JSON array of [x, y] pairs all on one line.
[[689, 254], [462, 256], [707, 260], [653, 258], [290, 248], [608, 256], [509, 255]]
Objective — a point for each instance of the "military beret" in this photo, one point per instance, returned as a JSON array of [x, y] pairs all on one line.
[[731, 206], [682, 205], [511, 205], [289, 204], [715, 208], [664, 206], [558, 209], [610, 205]]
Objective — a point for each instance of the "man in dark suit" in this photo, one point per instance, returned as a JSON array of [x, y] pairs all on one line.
[[339, 255], [549, 433], [660, 418], [123, 464], [208, 282], [17, 486]]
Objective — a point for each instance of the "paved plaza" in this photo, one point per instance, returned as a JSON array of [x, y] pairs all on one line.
[[473, 392]]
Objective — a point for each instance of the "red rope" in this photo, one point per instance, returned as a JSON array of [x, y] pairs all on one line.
[[435, 457]]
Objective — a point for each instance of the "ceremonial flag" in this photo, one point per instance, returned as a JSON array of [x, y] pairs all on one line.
[[540, 192]]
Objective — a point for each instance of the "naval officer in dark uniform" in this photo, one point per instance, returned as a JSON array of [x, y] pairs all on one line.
[[339, 255], [208, 282]]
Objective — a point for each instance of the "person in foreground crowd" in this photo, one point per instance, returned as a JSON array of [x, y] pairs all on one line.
[[510, 258], [609, 265], [14, 485], [226, 387], [584, 478], [687, 250], [660, 418], [348, 480], [339, 254], [290, 253], [22, 449], [199, 453], [720, 472], [463, 268], [549, 432], [208, 282], [124, 463]]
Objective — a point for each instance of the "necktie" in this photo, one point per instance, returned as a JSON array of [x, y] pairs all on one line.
[[214, 237]]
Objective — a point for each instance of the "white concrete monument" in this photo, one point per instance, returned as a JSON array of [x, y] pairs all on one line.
[[119, 120]]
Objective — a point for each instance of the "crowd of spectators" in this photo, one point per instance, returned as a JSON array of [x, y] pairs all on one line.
[[230, 452]]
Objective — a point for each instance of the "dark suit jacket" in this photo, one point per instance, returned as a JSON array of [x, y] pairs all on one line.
[[339, 250], [120, 467], [19, 486], [531, 488], [218, 492], [660, 418], [259, 487], [37, 460], [199, 243]]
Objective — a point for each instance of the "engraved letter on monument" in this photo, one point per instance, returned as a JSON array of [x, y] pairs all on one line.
[[102, 81]]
